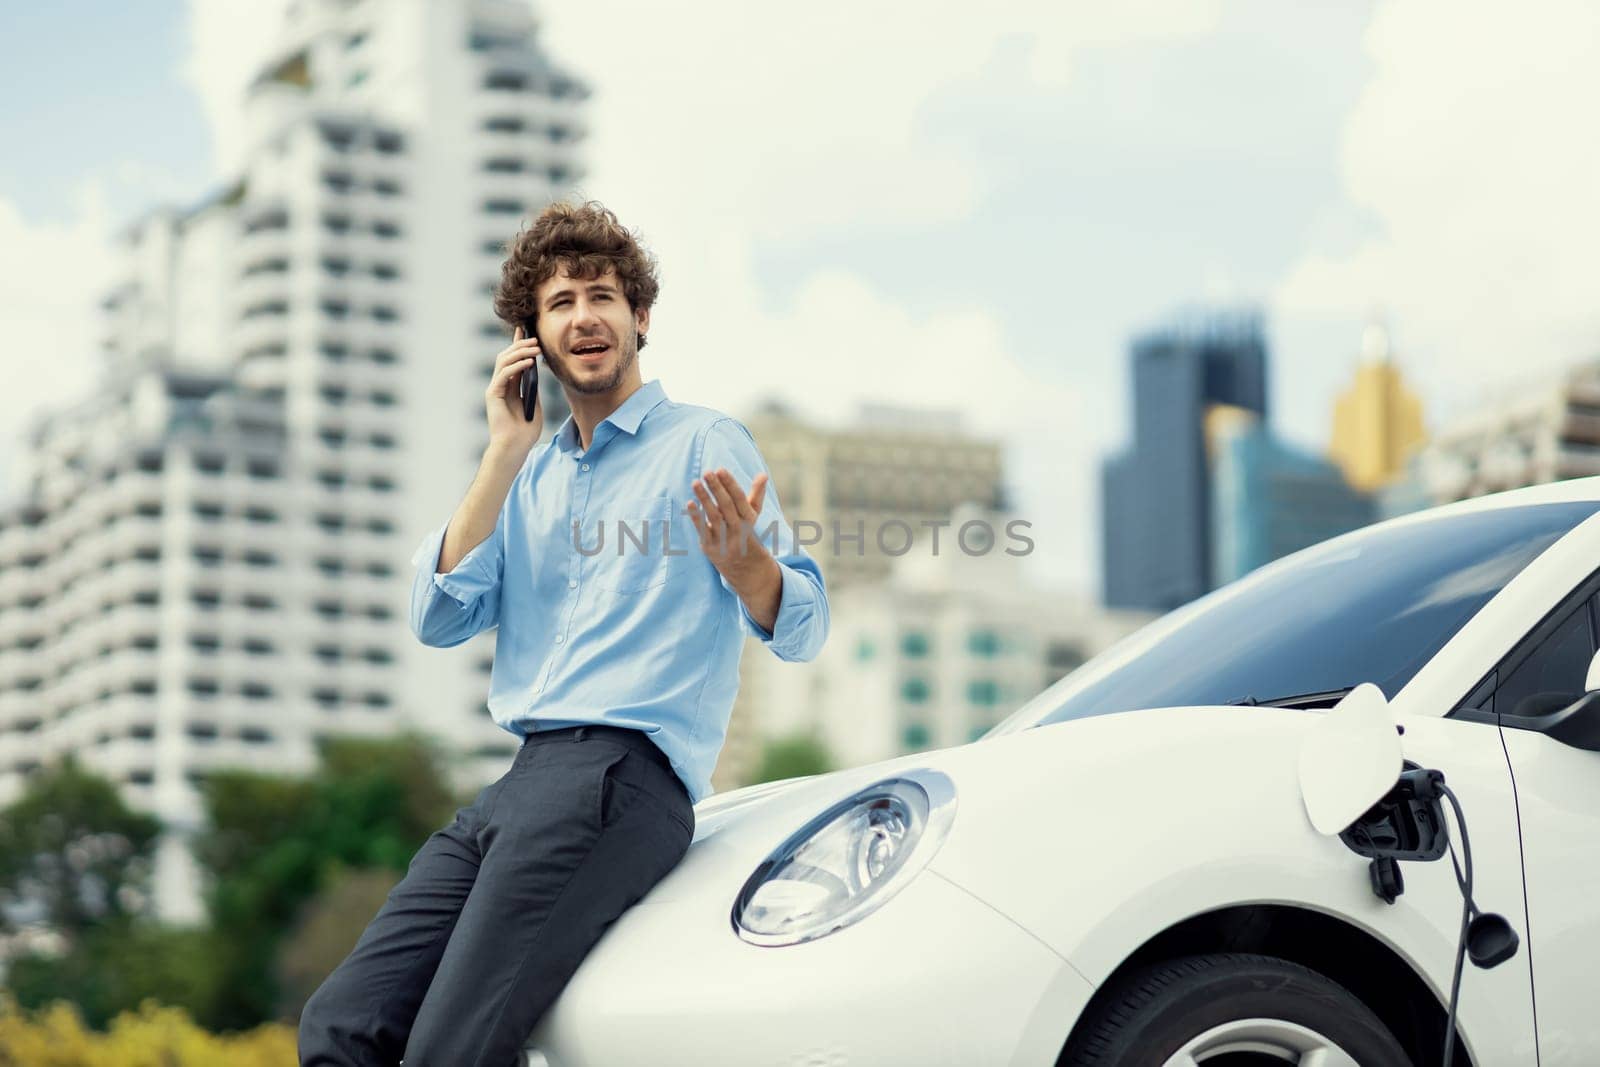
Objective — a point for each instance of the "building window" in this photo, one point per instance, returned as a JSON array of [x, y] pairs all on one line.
[[915, 736], [337, 266], [255, 690], [983, 692], [865, 649], [258, 602], [327, 653], [259, 514], [504, 124], [255, 735], [984, 643], [1063, 658], [386, 228], [914, 644], [385, 356], [256, 646], [915, 691], [504, 165], [389, 142], [505, 81], [386, 187], [328, 698]]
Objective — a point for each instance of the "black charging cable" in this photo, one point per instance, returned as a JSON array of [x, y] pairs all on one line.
[[1468, 909], [1487, 938]]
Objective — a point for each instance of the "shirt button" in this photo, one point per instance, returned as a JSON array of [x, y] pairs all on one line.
[[585, 466], [560, 638], [572, 583]]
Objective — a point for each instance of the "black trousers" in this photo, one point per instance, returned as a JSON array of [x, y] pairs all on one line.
[[499, 908]]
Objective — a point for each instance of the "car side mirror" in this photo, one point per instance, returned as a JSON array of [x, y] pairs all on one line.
[[1349, 760], [1577, 725]]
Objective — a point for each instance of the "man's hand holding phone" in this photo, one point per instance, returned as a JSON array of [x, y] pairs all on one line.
[[509, 430]]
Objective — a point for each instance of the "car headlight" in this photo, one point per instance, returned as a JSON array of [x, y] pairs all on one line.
[[847, 862]]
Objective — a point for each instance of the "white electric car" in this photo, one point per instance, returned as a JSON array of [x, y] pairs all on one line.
[[1129, 870]]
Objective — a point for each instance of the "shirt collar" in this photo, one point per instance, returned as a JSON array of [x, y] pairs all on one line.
[[628, 417]]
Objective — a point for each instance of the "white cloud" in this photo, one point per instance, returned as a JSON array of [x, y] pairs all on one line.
[[725, 129], [50, 277], [227, 41], [1473, 148]]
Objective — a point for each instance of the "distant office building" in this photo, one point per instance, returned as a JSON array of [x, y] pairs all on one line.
[[1269, 499], [1543, 435], [863, 489], [864, 483], [1377, 422], [1157, 510], [933, 656], [210, 568]]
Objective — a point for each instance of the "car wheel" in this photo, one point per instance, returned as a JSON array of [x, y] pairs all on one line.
[[1230, 1010]]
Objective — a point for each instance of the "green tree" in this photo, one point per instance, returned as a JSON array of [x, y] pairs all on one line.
[[115, 968], [795, 756], [72, 851]]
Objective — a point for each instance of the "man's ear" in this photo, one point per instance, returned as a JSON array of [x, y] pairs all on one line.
[[641, 319]]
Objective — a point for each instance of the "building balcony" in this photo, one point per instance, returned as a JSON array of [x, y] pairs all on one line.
[[259, 332]]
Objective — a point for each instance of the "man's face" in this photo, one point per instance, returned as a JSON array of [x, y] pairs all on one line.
[[587, 332]]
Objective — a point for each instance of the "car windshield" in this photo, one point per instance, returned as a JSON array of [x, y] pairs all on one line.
[[1373, 606]]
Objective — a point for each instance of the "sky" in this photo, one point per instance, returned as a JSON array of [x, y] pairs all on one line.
[[963, 207]]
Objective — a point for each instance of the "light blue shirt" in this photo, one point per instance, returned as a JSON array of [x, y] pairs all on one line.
[[608, 611]]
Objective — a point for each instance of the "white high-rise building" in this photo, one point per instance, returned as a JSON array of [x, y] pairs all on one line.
[[947, 646], [210, 566]]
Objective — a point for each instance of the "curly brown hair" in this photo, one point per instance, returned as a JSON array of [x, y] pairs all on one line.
[[584, 238]]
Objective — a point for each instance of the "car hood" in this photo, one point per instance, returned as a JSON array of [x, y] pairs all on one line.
[[1040, 768]]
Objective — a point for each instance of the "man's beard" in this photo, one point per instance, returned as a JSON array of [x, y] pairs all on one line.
[[626, 356]]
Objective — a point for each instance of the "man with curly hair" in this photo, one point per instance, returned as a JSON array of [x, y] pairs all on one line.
[[623, 563]]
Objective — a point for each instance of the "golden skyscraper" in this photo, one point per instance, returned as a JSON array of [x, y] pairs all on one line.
[[1377, 422]]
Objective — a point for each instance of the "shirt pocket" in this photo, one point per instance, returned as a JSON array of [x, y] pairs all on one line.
[[633, 557]]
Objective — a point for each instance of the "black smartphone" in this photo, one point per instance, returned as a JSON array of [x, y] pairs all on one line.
[[528, 384]]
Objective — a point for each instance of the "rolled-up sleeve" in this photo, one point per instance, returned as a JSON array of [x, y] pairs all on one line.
[[449, 608], [801, 627]]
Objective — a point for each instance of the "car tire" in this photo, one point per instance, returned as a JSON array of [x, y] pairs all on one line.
[[1229, 1009]]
